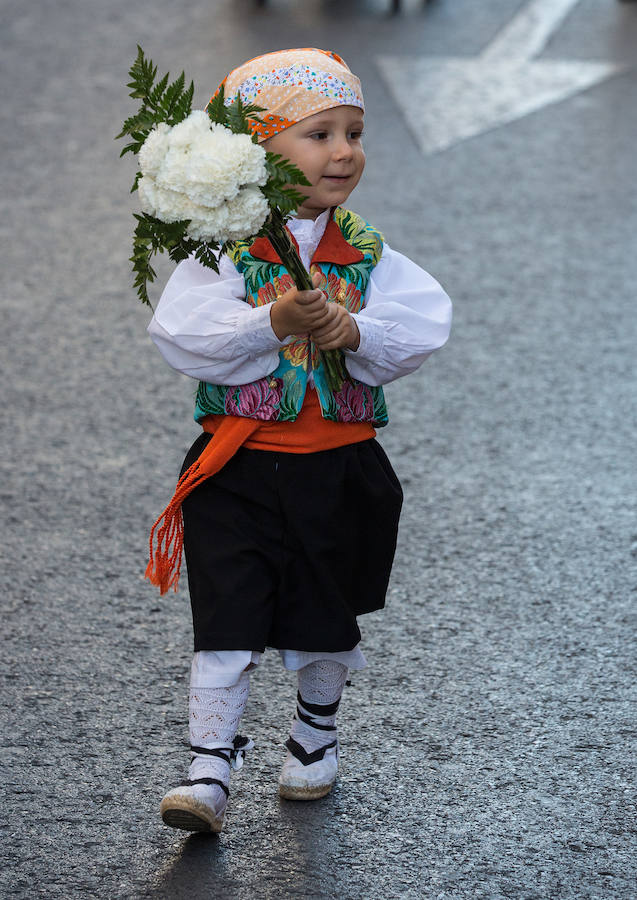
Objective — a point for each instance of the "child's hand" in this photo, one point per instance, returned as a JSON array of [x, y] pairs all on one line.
[[340, 331], [299, 312]]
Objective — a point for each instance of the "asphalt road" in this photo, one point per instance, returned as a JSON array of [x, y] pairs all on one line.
[[489, 748]]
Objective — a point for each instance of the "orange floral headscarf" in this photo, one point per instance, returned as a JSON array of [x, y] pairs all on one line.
[[292, 85]]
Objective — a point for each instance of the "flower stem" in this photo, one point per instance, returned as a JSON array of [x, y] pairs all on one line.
[[282, 243]]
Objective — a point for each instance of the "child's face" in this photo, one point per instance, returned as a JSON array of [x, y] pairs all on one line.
[[327, 147]]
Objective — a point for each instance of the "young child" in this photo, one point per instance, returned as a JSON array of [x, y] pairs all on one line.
[[294, 535]]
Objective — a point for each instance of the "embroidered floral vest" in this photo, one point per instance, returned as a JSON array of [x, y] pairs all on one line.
[[346, 255]]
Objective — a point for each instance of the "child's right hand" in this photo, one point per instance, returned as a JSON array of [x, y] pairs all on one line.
[[299, 312]]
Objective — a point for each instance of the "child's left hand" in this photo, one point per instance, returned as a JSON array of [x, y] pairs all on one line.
[[339, 332]]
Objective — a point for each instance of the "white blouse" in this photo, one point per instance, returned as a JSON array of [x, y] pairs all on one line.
[[203, 327]]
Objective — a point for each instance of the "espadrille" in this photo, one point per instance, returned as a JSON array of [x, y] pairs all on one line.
[[196, 805], [199, 804], [308, 776]]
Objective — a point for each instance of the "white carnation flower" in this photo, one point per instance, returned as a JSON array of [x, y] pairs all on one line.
[[230, 221], [204, 172], [154, 149], [246, 213], [164, 204], [187, 131], [209, 223], [146, 192]]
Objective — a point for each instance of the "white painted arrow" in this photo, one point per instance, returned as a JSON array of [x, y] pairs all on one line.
[[449, 99]]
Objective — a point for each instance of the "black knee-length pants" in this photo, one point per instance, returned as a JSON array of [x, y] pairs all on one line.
[[285, 550]]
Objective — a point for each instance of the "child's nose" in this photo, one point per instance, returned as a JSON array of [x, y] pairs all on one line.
[[343, 149]]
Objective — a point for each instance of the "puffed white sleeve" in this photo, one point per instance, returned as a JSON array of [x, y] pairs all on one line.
[[406, 316], [204, 328]]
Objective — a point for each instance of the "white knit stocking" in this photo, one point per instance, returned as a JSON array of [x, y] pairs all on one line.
[[321, 684], [214, 718]]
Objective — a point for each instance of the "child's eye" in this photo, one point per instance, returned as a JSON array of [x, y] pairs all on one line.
[[356, 135], [319, 135]]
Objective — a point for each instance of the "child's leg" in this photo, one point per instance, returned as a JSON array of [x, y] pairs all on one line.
[[214, 715], [219, 686], [310, 768]]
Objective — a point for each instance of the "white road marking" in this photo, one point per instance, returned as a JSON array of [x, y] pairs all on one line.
[[529, 31], [449, 99]]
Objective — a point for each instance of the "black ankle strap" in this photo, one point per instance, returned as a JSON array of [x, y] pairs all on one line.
[[190, 781], [310, 721], [303, 756], [319, 709], [234, 756], [204, 751]]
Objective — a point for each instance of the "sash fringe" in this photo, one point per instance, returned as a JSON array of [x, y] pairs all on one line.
[[167, 534]]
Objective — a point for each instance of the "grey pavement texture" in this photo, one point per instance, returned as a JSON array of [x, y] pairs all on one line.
[[489, 749]]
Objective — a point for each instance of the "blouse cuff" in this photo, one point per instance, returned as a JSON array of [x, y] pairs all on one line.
[[372, 338], [255, 333]]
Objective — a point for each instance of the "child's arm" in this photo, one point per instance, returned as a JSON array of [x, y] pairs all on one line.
[[204, 328], [406, 316]]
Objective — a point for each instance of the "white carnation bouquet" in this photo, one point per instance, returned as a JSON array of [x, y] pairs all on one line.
[[205, 173], [204, 182]]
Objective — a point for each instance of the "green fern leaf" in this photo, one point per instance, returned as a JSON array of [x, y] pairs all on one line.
[[142, 74], [154, 96], [283, 171], [206, 253], [240, 115], [183, 106], [216, 108]]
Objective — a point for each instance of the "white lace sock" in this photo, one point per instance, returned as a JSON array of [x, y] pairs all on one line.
[[321, 684], [214, 718]]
